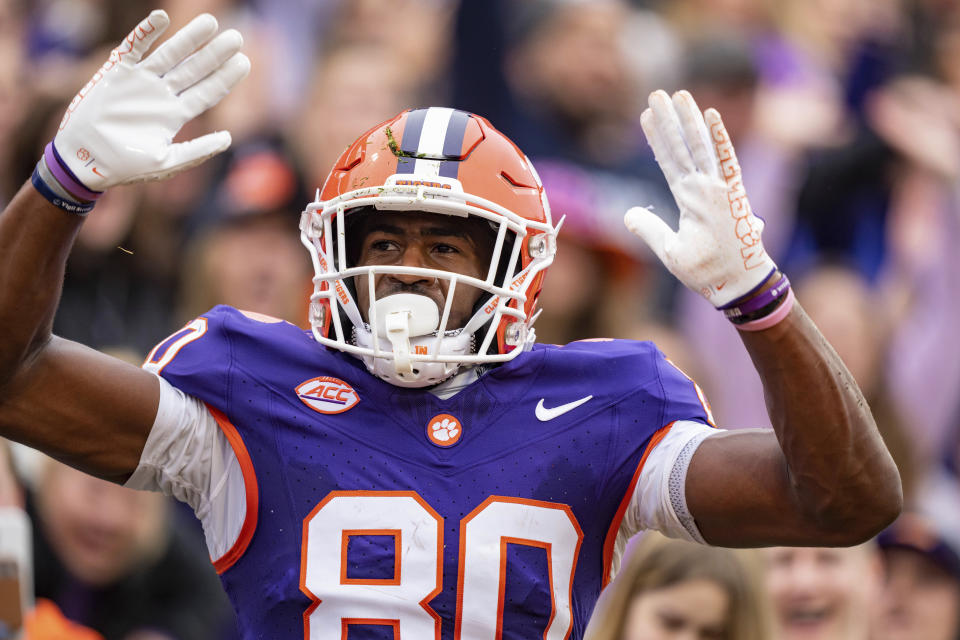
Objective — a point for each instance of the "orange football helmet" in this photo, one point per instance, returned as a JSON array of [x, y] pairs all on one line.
[[443, 161]]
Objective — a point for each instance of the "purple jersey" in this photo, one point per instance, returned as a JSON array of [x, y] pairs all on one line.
[[375, 511]]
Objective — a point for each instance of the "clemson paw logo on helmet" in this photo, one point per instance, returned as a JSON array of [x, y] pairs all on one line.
[[444, 430]]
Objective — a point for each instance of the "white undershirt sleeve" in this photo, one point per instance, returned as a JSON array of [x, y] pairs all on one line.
[[188, 457], [659, 500]]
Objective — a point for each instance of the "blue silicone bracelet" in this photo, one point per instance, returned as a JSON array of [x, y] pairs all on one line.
[[80, 209]]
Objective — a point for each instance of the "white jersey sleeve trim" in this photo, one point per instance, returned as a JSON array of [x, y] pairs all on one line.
[[659, 500], [187, 456]]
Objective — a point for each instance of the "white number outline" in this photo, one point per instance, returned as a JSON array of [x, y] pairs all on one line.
[[195, 330], [501, 580], [504, 541], [398, 569]]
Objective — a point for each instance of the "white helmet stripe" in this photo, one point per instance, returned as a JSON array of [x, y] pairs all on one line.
[[432, 137], [434, 131]]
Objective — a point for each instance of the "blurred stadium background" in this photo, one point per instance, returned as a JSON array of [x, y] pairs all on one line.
[[845, 115]]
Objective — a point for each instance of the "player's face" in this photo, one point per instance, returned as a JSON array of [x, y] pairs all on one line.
[[425, 240], [920, 600], [823, 594], [692, 610]]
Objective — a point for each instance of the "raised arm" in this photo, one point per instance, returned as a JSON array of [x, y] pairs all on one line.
[[823, 476], [90, 410], [825, 479]]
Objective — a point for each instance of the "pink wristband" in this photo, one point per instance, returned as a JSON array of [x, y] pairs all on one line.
[[768, 321]]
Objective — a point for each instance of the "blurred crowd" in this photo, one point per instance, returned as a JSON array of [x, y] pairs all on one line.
[[846, 118]]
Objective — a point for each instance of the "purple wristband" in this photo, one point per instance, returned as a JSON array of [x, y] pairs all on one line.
[[736, 301], [759, 302], [65, 177], [774, 318]]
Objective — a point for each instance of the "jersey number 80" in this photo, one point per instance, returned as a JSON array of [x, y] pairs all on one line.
[[402, 601]]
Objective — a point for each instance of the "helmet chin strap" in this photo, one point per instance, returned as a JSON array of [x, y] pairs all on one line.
[[399, 317]]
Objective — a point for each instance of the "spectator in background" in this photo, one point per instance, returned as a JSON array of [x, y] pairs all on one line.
[[244, 253], [378, 59], [416, 33], [14, 101], [568, 69], [259, 108], [43, 619], [108, 558], [672, 588], [590, 290], [577, 97], [823, 593], [574, 83], [351, 87], [938, 492], [694, 18], [304, 26], [66, 39], [921, 598], [109, 563], [818, 69], [917, 116]]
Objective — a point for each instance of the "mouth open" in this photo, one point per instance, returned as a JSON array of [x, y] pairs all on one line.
[[807, 618]]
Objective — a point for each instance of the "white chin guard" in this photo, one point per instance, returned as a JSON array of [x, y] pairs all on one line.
[[406, 336], [400, 317]]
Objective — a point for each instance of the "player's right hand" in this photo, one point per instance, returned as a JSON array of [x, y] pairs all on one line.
[[120, 127]]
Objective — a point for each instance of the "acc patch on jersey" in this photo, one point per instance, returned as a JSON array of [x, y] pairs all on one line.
[[328, 395]]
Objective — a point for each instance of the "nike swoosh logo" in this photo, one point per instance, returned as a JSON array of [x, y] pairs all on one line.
[[544, 414]]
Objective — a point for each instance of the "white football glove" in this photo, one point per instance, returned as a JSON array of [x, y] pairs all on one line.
[[717, 250], [120, 127]]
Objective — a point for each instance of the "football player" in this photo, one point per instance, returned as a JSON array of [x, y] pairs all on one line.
[[415, 466]]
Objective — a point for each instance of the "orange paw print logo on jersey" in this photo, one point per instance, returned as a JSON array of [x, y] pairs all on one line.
[[444, 430]]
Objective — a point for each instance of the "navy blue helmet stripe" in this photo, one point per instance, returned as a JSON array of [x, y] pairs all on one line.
[[453, 142], [411, 140], [450, 168], [412, 132]]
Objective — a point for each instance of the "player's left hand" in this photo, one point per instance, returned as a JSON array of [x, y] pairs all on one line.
[[717, 250]]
